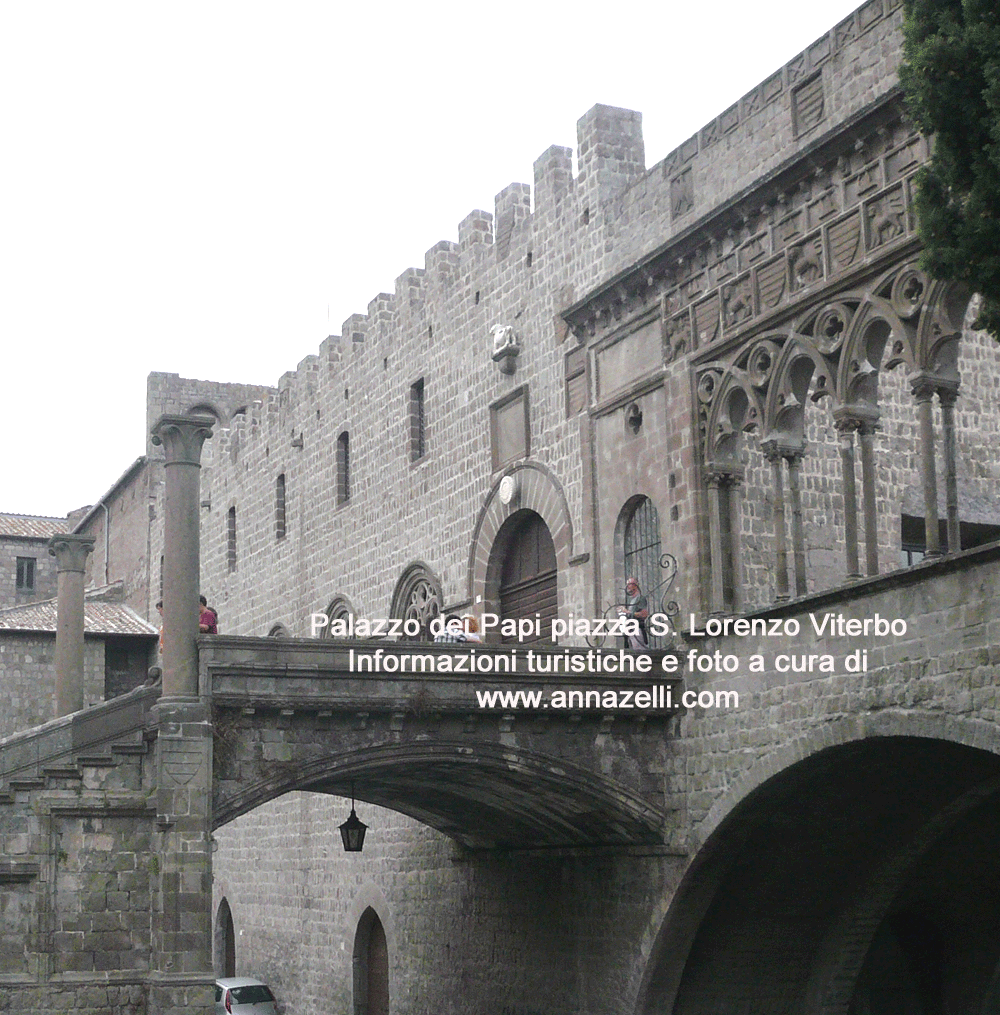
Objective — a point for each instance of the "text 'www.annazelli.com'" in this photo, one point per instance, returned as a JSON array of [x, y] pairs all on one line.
[[658, 698]]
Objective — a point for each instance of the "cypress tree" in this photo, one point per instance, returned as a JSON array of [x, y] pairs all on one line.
[[951, 77]]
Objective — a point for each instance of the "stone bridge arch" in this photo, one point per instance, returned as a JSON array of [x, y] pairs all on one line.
[[483, 795], [845, 816]]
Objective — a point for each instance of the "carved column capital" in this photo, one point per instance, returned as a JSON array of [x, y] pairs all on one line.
[[774, 451], [923, 386], [71, 551], [771, 451], [182, 437], [948, 393]]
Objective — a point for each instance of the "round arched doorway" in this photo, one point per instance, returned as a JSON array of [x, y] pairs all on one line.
[[522, 572]]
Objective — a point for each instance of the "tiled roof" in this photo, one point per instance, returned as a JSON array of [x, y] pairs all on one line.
[[31, 526], [98, 618]]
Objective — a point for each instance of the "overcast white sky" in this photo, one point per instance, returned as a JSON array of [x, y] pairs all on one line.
[[211, 188]]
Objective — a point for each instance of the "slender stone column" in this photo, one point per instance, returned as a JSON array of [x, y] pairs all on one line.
[[181, 975], [866, 435], [182, 438], [798, 537], [774, 456], [734, 542], [923, 392], [714, 481], [846, 427], [948, 396], [71, 553]]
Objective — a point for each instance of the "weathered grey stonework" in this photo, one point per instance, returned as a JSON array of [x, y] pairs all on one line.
[[737, 344]]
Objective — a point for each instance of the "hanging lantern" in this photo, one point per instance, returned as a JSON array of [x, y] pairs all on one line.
[[352, 831]]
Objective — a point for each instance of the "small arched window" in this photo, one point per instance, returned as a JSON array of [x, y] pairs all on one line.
[[417, 597], [279, 508], [343, 468], [231, 539], [340, 611]]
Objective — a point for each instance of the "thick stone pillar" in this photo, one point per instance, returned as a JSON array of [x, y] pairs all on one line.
[[776, 459], [714, 482], [182, 978], [866, 436], [71, 553], [923, 392], [846, 427], [798, 536], [181, 438], [948, 395]]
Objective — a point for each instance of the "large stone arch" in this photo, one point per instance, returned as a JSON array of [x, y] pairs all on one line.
[[483, 795], [533, 487], [729, 840]]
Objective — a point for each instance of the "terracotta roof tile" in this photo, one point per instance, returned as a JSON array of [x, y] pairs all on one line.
[[31, 526], [99, 618]]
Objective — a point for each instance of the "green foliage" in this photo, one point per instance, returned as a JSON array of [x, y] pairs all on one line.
[[952, 81]]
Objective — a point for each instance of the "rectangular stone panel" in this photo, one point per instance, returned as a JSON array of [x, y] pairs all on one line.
[[629, 358], [870, 13], [576, 381], [885, 216], [772, 283], [862, 183], [844, 240], [101, 915], [509, 428], [823, 207], [17, 928], [682, 193], [807, 104], [904, 159], [706, 318], [753, 250]]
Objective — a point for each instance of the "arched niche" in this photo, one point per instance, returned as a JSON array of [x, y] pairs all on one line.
[[224, 941], [530, 487], [371, 966]]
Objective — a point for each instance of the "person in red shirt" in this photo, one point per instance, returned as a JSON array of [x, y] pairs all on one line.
[[208, 619]]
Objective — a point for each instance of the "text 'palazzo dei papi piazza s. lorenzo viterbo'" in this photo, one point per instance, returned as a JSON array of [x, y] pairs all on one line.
[[725, 375]]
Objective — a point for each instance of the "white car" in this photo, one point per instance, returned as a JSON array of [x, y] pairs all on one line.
[[242, 995]]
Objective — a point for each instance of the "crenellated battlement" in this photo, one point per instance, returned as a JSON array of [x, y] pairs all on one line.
[[576, 232]]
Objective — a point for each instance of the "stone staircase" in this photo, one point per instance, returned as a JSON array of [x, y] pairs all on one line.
[[100, 748]]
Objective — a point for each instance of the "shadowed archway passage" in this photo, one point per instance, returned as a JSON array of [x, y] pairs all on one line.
[[863, 881]]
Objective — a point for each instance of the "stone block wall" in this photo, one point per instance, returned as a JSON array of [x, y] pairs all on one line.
[[27, 662], [122, 553], [12, 547], [565, 931]]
